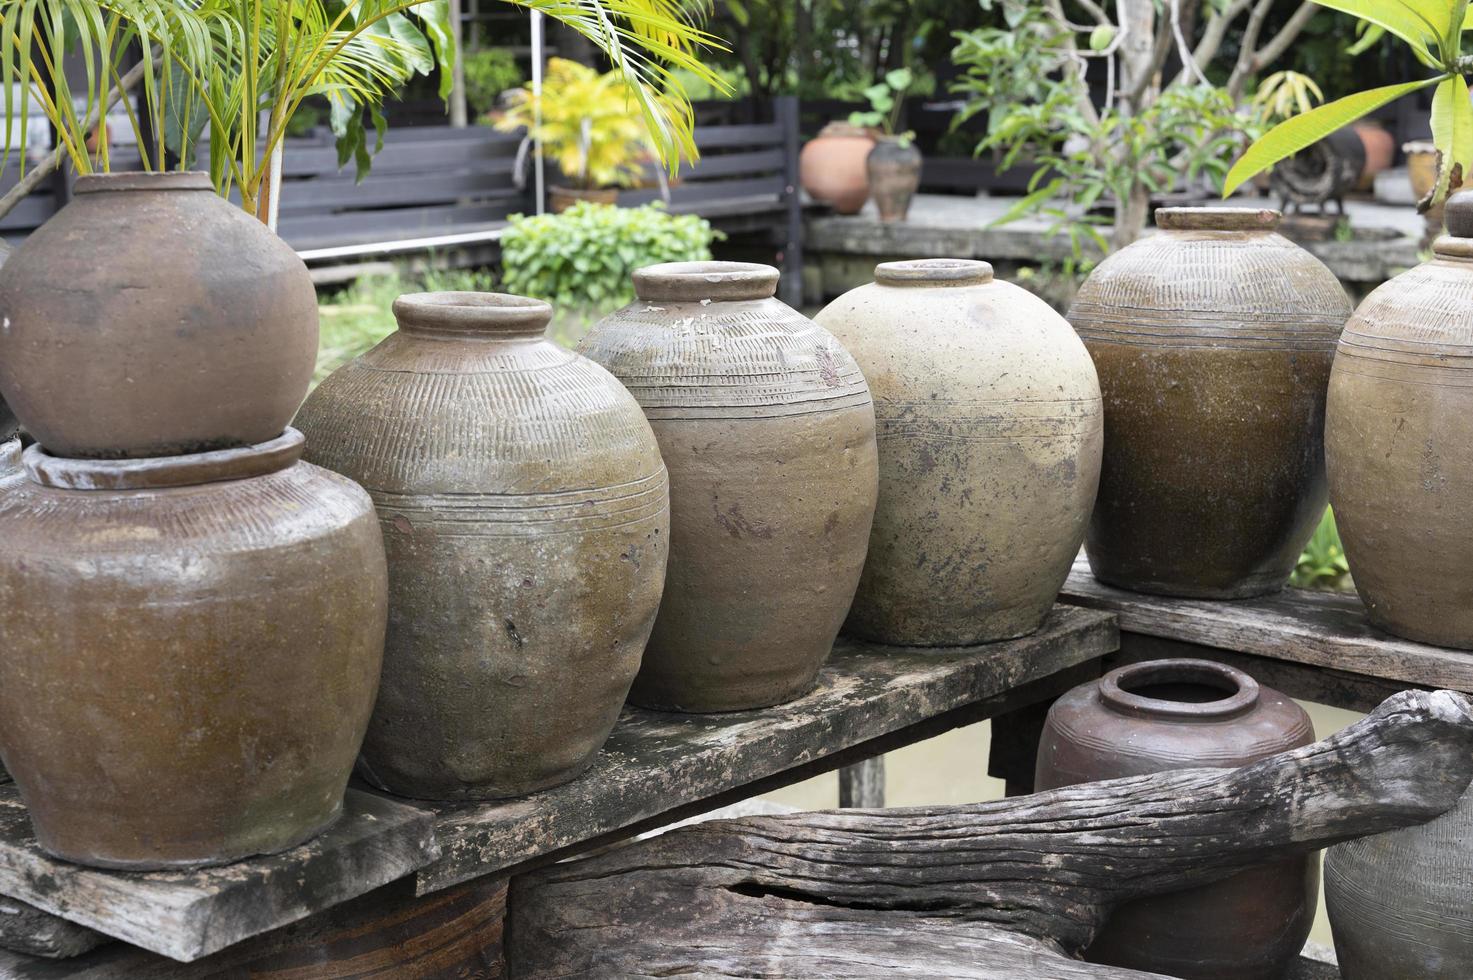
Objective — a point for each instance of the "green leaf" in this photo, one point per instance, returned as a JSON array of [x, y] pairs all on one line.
[[1452, 130], [1293, 135], [899, 79], [1396, 17], [1370, 36]]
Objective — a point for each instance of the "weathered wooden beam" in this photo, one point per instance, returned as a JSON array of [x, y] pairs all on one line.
[[1319, 629], [1014, 887], [188, 914], [657, 764]]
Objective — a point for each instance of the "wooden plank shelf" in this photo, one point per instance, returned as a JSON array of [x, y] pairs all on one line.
[[658, 764], [188, 914], [1301, 626], [656, 768]]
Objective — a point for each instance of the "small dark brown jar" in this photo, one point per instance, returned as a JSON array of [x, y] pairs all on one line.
[[767, 426], [1213, 339], [526, 514], [1181, 714], [151, 317], [192, 648]]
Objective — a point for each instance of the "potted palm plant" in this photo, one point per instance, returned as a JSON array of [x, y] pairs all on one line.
[[211, 322], [585, 123]]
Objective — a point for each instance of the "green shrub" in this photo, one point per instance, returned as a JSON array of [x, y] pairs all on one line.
[[488, 73], [581, 260], [1323, 564]]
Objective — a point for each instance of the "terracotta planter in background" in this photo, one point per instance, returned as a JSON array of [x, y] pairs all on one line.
[[1181, 714], [1401, 903], [834, 167], [559, 198], [192, 648], [1213, 340], [1421, 166], [525, 512], [894, 172], [1380, 150], [767, 428], [1399, 443], [989, 426], [210, 322]]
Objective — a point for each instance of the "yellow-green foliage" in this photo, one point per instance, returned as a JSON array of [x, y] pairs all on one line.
[[587, 124]]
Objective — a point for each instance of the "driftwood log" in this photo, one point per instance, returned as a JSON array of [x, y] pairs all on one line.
[[1014, 888]]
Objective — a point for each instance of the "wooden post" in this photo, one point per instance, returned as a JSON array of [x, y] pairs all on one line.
[[459, 117], [790, 290], [863, 784]]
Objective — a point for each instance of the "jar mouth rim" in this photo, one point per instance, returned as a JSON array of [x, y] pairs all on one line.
[[695, 281], [941, 272], [1217, 219], [468, 312], [173, 180], [163, 472], [1118, 689]]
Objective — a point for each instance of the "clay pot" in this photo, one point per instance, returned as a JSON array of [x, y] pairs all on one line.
[[1213, 340], [894, 170], [559, 198], [150, 317], [1181, 714], [1421, 166], [192, 648], [833, 167], [1397, 446], [1379, 150], [1401, 903], [8, 426], [768, 430], [988, 414], [525, 513]]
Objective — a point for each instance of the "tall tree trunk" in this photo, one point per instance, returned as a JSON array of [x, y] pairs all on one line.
[[1130, 217], [1137, 51]]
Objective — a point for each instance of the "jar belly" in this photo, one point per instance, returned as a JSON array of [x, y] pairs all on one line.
[[976, 529], [1213, 476], [511, 643], [1400, 467], [770, 518], [187, 705]]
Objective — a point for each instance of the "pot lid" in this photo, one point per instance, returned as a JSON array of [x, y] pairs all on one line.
[[1217, 219]]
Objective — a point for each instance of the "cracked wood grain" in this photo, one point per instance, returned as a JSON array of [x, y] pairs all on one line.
[[1014, 887]]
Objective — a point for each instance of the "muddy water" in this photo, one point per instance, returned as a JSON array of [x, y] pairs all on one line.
[[952, 768]]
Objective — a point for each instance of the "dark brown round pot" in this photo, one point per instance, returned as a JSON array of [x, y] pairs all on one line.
[[1213, 340], [192, 648], [1401, 903], [1397, 443], [1181, 714], [988, 414], [894, 170], [559, 199], [768, 430], [525, 511], [149, 317]]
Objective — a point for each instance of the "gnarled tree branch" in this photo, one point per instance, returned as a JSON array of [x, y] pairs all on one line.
[[959, 890]]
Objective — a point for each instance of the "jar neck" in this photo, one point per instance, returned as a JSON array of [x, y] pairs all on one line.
[[174, 180], [693, 282], [1218, 219], [472, 316], [1179, 690], [934, 273], [162, 472]]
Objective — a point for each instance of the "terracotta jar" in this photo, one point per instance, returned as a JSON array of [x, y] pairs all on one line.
[[7, 417], [525, 512], [768, 430], [192, 648], [833, 167], [894, 172], [1213, 341], [150, 317], [1401, 903], [1399, 443], [1180, 714], [988, 414]]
